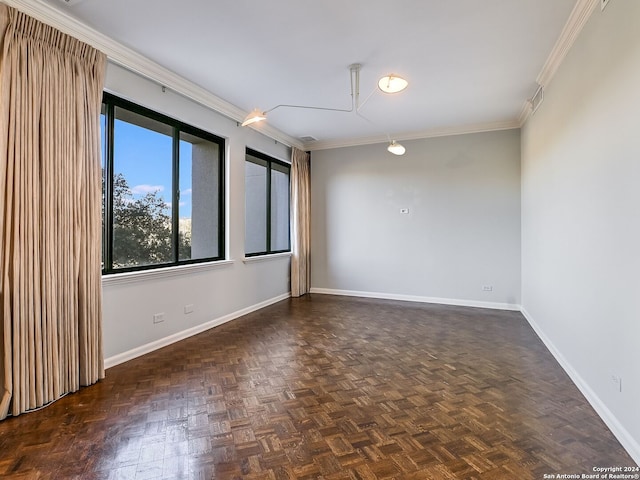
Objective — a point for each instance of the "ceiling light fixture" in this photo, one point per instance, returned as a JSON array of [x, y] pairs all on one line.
[[396, 148], [389, 84], [392, 83], [71, 2], [254, 116], [257, 115]]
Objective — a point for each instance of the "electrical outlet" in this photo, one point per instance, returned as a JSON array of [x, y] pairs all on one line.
[[487, 288], [158, 317], [188, 308], [617, 380]]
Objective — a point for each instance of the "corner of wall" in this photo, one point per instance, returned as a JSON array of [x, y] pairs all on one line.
[[620, 432]]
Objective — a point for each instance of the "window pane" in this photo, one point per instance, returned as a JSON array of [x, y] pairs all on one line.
[[142, 191], [279, 207], [199, 196], [255, 179], [162, 189]]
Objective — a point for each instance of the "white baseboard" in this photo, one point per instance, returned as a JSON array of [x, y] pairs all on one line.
[[415, 298], [629, 443], [176, 337]]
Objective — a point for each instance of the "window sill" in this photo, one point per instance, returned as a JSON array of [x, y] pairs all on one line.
[[264, 258], [159, 273]]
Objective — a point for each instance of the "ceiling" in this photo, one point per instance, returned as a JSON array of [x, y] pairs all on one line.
[[468, 62]]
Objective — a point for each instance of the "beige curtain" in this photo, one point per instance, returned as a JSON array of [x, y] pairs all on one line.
[[300, 222], [50, 213]]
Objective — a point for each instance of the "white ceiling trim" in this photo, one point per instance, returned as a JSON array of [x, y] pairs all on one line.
[[131, 60], [577, 20], [435, 132]]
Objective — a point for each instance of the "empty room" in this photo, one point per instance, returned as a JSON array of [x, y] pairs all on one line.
[[331, 240]]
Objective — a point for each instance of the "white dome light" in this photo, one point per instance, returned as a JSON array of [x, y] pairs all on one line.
[[392, 84], [396, 148]]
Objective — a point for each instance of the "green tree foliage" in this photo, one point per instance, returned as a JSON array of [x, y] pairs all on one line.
[[142, 228]]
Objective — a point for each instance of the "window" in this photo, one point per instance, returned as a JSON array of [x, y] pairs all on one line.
[[162, 198], [266, 205]]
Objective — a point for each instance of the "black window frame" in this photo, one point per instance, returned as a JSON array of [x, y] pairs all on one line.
[[110, 102], [270, 161]]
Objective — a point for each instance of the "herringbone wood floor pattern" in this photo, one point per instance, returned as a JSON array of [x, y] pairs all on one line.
[[325, 387]]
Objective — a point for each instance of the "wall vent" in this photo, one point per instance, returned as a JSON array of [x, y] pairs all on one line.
[[537, 99], [308, 138]]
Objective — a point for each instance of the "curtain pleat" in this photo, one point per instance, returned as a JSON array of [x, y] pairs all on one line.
[[50, 213], [300, 222]]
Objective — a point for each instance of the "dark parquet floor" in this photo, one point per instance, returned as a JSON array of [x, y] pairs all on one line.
[[325, 387]]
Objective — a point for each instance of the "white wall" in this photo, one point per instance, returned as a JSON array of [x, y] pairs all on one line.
[[462, 231], [217, 293], [581, 217]]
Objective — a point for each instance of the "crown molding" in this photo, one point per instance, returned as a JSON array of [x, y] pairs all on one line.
[[525, 112], [432, 133], [139, 64], [577, 20]]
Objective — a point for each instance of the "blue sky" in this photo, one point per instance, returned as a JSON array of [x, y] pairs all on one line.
[[144, 158]]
